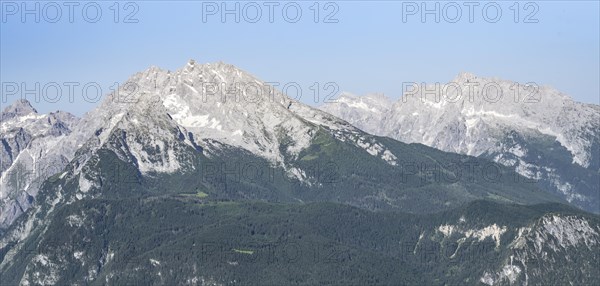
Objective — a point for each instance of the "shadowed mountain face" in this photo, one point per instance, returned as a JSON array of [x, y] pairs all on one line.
[[537, 131], [177, 162]]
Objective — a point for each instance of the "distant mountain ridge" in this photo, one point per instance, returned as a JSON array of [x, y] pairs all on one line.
[[543, 134]]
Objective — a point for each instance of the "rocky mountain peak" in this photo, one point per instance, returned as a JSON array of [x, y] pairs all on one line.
[[464, 77], [20, 107]]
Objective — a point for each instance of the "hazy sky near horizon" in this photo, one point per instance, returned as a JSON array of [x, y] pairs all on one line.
[[373, 47]]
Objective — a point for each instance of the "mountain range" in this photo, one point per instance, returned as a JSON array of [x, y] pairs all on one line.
[[537, 131], [207, 176]]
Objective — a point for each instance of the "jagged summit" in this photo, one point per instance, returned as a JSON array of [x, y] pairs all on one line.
[[213, 81], [203, 104], [20, 107], [464, 77]]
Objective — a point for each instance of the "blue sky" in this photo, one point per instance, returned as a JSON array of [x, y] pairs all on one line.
[[369, 49]]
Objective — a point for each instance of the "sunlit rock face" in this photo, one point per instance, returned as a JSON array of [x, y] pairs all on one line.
[[540, 132]]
